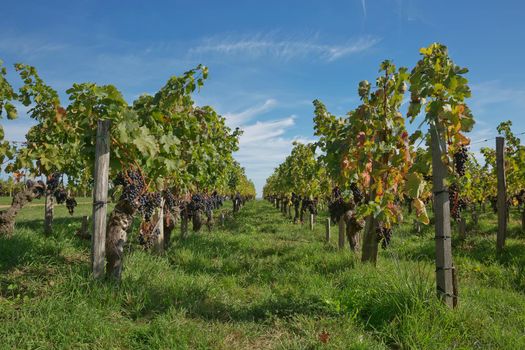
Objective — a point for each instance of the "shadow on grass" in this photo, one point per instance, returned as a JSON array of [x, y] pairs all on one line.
[[198, 301], [18, 251], [478, 248]]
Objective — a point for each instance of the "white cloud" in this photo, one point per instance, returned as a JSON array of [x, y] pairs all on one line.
[[260, 158], [269, 45], [262, 131], [262, 148], [263, 144], [236, 119]]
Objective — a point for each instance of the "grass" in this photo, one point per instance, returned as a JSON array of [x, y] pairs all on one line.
[[258, 283]]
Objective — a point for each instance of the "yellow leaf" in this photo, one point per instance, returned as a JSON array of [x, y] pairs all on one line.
[[421, 211]]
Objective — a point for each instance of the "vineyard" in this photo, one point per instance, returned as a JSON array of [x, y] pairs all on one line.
[[132, 225]]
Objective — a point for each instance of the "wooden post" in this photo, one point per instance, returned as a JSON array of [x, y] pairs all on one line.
[[417, 226], [84, 228], [341, 232], [327, 237], [184, 223], [523, 220], [502, 194], [48, 213], [370, 243], [100, 197], [222, 219], [159, 241], [311, 222], [444, 280]]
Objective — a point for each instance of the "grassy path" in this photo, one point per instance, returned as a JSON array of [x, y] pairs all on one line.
[[259, 283]]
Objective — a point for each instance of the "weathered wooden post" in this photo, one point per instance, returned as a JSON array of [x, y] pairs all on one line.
[[327, 237], [48, 213], [84, 228], [502, 193], [523, 220], [341, 232], [222, 219], [159, 241], [311, 222], [100, 197], [184, 223], [444, 280]]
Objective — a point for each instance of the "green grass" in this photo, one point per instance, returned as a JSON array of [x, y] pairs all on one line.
[[259, 283]]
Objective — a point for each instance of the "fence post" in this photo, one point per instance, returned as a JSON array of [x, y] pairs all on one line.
[[84, 228], [327, 230], [48, 213], [159, 241], [502, 193], [444, 280], [100, 197], [341, 232]]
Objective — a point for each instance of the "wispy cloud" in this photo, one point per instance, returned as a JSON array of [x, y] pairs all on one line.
[[29, 46], [261, 157], [237, 119], [363, 4], [267, 130], [272, 45], [263, 144]]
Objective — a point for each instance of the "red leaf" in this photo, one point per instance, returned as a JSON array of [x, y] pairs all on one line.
[[324, 336]]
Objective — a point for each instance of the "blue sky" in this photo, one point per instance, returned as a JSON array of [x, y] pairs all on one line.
[[269, 59]]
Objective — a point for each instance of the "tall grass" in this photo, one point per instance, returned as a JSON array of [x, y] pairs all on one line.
[[258, 283]]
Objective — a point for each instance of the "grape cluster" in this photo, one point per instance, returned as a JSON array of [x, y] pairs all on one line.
[[148, 203], [208, 206], [71, 203], [310, 205], [148, 235], [217, 200], [520, 197], [356, 192], [60, 195], [196, 204], [337, 206], [384, 235], [133, 186], [457, 204], [296, 199], [53, 181], [460, 159], [169, 200], [336, 192]]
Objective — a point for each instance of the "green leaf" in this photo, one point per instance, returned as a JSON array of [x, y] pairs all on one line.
[[146, 142], [414, 185]]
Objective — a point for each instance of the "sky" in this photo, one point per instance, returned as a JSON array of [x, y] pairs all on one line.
[[268, 60]]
